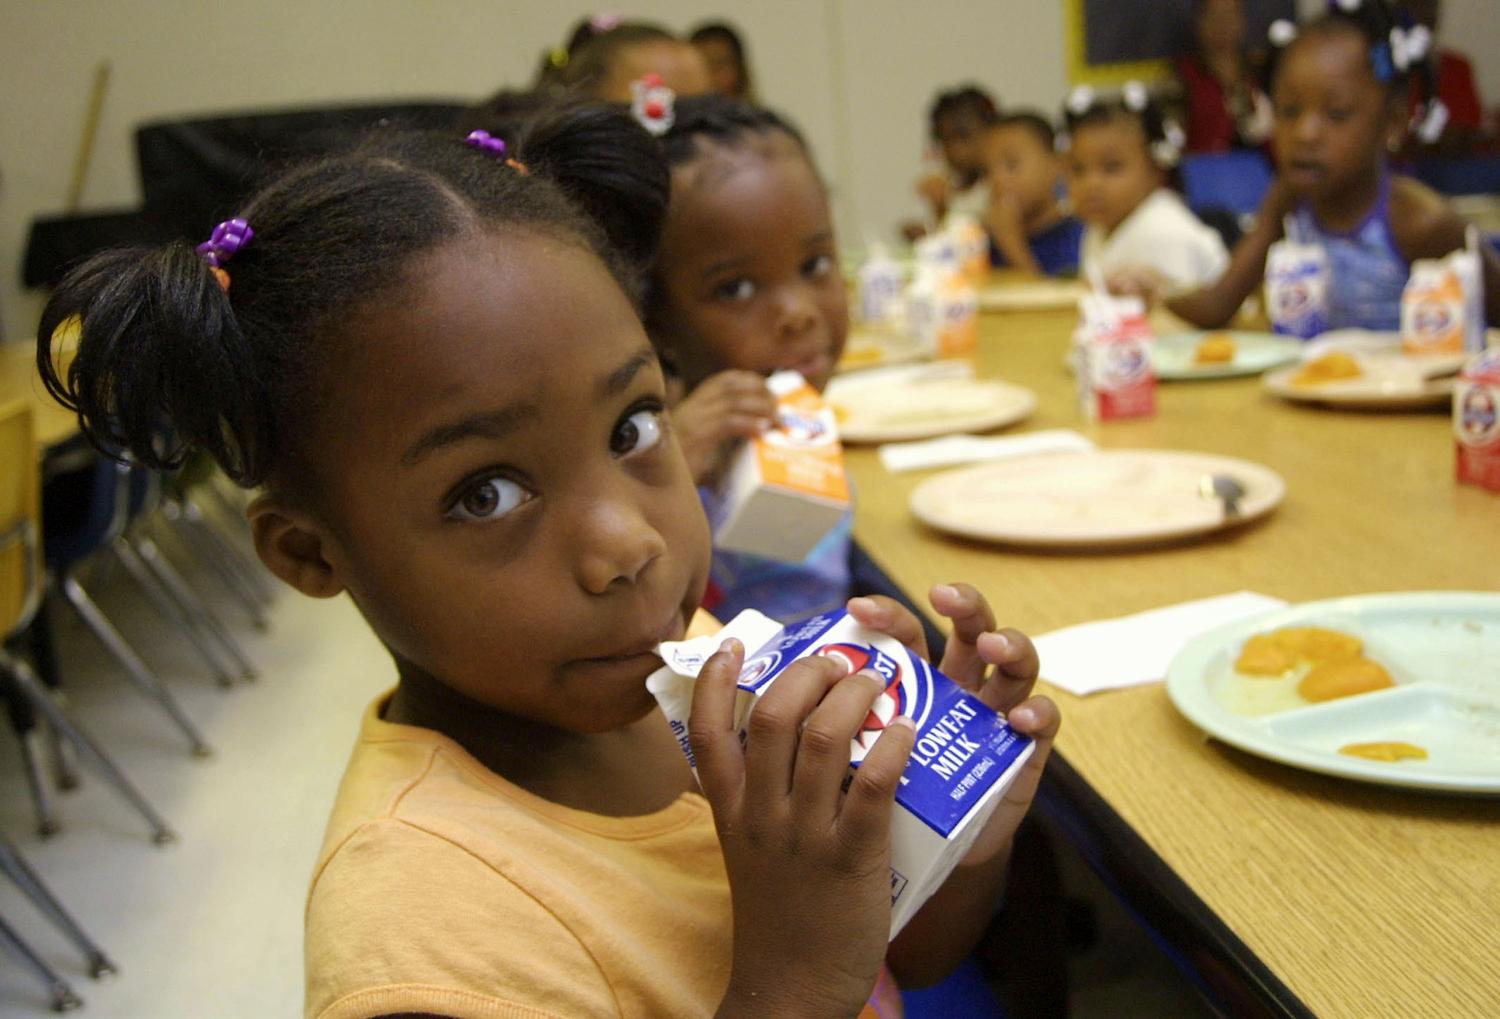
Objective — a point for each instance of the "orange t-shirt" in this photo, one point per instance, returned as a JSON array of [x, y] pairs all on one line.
[[442, 888]]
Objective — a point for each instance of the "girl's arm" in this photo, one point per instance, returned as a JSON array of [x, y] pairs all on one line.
[[1426, 226], [1006, 225], [1212, 307], [1000, 668]]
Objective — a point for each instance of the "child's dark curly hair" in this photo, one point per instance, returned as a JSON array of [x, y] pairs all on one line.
[[164, 350]]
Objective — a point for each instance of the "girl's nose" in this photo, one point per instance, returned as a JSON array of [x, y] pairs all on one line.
[[616, 544], [798, 310]]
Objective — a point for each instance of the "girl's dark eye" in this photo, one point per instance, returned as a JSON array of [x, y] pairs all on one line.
[[735, 290], [487, 499], [818, 266], [637, 433]]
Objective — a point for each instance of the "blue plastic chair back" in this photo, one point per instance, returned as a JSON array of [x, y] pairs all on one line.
[[1477, 176], [1236, 181]]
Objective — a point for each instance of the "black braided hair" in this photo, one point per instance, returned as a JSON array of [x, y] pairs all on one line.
[[965, 99], [1375, 21], [165, 350], [1087, 109]]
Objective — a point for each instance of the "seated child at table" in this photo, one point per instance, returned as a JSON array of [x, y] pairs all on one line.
[[605, 54], [427, 354], [747, 283], [1120, 151], [959, 124], [1029, 228], [1339, 95]]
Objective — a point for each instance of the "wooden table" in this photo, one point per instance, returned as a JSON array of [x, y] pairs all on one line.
[[1361, 900], [19, 381]]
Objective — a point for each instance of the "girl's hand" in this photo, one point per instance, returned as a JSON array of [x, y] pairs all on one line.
[[808, 862], [1138, 281], [724, 407], [934, 190], [1000, 667]]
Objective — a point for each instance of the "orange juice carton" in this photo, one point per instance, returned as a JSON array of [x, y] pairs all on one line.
[[1442, 307], [964, 758], [880, 282], [1476, 421], [972, 247], [1112, 358], [942, 310], [1297, 287], [785, 489]]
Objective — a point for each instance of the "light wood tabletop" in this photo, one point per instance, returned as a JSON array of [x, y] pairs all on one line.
[[19, 381], [1363, 900]]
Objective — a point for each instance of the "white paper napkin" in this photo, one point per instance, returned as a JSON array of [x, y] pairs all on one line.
[[958, 449], [1132, 650]]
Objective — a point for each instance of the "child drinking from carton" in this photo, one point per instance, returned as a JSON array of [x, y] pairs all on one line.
[[746, 285], [1120, 151], [1029, 229], [426, 354], [959, 125], [1339, 93]]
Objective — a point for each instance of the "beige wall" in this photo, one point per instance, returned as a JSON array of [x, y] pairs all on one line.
[[856, 74]]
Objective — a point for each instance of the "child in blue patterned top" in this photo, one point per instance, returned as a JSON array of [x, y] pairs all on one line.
[[1339, 94]]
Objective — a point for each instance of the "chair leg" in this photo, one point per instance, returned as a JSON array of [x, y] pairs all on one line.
[[41, 799], [246, 564], [171, 609], [176, 586], [200, 537], [18, 870], [63, 998], [33, 690], [43, 653], [135, 669]]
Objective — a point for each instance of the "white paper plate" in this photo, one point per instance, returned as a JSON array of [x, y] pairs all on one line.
[[1172, 356], [924, 407], [1389, 382], [1081, 500], [1442, 650], [869, 347], [1031, 295]]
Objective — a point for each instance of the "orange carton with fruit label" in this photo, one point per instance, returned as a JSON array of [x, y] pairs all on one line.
[[785, 489], [1476, 421]]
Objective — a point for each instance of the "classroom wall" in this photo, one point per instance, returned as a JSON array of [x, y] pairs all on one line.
[[856, 74]]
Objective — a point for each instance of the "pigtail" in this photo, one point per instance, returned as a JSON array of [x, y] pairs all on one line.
[[1165, 138], [161, 363], [610, 167]]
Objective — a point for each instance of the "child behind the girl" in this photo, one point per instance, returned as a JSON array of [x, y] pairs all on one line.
[[1028, 227], [1340, 97], [747, 283], [959, 126], [1119, 153], [427, 354]]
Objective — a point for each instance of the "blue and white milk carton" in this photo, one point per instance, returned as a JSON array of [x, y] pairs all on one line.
[[964, 758], [1297, 287]]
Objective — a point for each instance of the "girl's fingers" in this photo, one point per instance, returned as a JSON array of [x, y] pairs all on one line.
[[1039, 719], [865, 815], [971, 616], [890, 617], [775, 728], [823, 753], [711, 731], [743, 426], [1015, 668]]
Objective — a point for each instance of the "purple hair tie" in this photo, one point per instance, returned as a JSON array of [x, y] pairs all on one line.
[[487, 142], [228, 237]]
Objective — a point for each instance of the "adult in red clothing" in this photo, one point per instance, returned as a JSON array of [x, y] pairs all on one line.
[[1455, 87], [1225, 104]]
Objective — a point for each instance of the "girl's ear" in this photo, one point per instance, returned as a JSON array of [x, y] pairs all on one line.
[[293, 545]]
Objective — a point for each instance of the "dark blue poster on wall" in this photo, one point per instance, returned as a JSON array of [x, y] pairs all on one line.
[[1123, 31]]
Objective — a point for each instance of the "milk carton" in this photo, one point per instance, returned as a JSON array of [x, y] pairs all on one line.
[[942, 313], [964, 758], [880, 281], [1442, 307], [785, 489], [1476, 421], [938, 253], [971, 245], [1297, 288], [1112, 359]]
